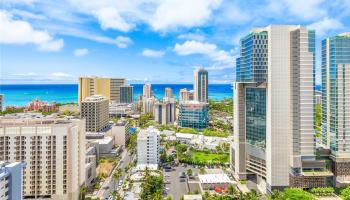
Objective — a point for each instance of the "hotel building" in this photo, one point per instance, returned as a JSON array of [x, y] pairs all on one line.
[[193, 114], [94, 110], [336, 104], [168, 92], [164, 111], [54, 153], [274, 110], [200, 85], [147, 91], [148, 143], [11, 180], [108, 87]]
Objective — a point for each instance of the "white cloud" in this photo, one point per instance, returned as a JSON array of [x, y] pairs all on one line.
[[171, 14], [81, 52], [110, 18], [152, 53], [310, 9], [123, 42], [21, 32], [192, 36], [325, 25], [232, 14], [60, 75], [222, 58]]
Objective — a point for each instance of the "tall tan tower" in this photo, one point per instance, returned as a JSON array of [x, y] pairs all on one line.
[[107, 87]]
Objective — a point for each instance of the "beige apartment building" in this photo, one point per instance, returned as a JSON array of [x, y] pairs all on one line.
[[108, 87], [95, 110], [54, 153]]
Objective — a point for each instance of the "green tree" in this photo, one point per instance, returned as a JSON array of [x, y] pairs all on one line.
[[345, 193], [83, 192], [189, 172]]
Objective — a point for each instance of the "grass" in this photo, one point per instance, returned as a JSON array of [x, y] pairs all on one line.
[[207, 157]]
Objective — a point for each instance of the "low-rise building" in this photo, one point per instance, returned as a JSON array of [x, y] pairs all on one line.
[[121, 109], [11, 180], [1, 102]]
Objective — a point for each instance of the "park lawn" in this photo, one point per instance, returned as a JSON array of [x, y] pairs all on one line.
[[207, 157], [105, 166]]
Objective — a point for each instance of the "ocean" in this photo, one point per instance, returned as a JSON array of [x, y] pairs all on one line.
[[20, 95]]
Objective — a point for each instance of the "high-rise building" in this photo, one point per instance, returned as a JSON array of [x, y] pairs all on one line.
[[53, 150], [148, 143], [11, 180], [126, 94], [168, 92], [148, 105], [1, 102], [147, 91], [274, 109], [193, 114], [94, 110], [121, 133], [108, 87], [186, 95], [164, 111], [200, 85], [336, 103]]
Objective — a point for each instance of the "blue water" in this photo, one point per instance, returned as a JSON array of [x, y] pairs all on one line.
[[20, 95]]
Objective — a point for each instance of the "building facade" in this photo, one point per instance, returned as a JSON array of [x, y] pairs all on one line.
[[193, 114], [164, 111], [11, 180], [336, 103], [54, 153], [108, 87], [121, 133], [126, 94], [148, 105], [168, 92], [148, 143], [200, 85], [147, 91], [95, 110], [274, 109], [1, 102]]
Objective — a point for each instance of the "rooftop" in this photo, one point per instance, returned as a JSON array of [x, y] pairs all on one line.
[[95, 98], [214, 178]]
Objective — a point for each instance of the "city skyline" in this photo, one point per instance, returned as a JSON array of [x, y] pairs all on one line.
[[157, 41]]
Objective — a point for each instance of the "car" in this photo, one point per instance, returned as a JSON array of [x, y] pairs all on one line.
[[182, 179], [167, 175]]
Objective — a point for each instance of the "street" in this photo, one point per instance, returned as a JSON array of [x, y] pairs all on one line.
[[108, 185]]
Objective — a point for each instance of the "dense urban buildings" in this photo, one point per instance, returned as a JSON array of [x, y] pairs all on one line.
[[200, 85], [53, 150], [193, 114], [148, 143], [107, 87], [94, 110], [1, 102], [121, 109], [11, 180], [274, 109], [186, 95], [37, 105], [164, 111], [336, 103]]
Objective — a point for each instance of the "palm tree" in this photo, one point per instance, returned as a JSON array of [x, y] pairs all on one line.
[[83, 191]]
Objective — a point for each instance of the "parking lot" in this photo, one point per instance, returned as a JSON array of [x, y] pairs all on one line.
[[174, 187]]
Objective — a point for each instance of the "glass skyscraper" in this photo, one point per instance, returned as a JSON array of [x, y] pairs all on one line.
[[336, 103]]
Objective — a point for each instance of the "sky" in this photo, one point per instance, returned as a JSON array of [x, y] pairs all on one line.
[[157, 41]]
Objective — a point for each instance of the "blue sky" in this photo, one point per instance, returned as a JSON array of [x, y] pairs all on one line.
[[158, 41]]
